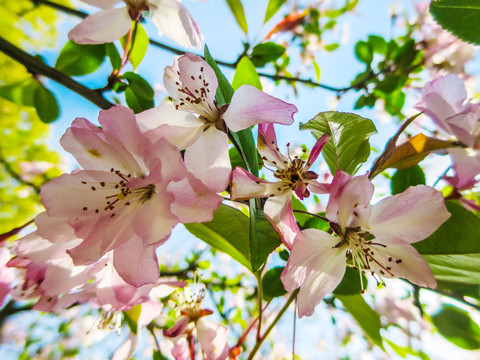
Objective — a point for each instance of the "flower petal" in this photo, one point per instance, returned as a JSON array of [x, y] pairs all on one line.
[[278, 211], [250, 106], [208, 159], [316, 150], [102, 27], [316, 266], [246, 186], [466, 164], [411, 216], [173, 19], [268, 148], [213, 339]]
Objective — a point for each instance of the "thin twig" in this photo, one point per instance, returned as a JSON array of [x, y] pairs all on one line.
[[17, 177], [36, 66], [272, 325], [14, 231]]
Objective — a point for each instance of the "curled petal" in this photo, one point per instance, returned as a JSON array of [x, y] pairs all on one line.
[[278, 210], [466, 164], [246, 186], [102, 27], [250, 106], [268, 148], [317, 149], [316, 266], [411, 216]]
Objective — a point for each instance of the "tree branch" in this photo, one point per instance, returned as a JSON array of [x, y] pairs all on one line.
[[35, 66], [232, 65]]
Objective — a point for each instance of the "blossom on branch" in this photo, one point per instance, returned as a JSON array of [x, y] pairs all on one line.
[[111, 23], [375, 239], [294, 176], [199, 124], [444, 100], [132, 195]]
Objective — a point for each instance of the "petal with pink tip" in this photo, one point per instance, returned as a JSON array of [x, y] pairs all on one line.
[[314, 265], [246, 186], [173, 19], [103, 4], [250, 106], [102, 27], [278, 211], [316, 150], [411, 216], [208, 160]]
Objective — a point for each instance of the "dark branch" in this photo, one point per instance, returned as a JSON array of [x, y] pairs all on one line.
[[63, 8], [35, 66]]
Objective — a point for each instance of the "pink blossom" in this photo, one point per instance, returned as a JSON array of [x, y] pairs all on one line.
[[444, 100], [201, 125], [294, 176], [376, 239], [132, 195], [7, 275], [111, 23], [211, 335]]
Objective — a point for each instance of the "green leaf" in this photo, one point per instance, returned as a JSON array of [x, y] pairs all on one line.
[[140, 44], [139, 94], [460, 17], [266, 52], [404, 178], [21, 92], [351, 284], [227, 232], [272, 285], [368, 319], [272, 8], [113, 55], [453, 251], [265, 241], [457, 327], [46, 104], [246, 74], [76, 59], [244, 138], [378, 44], [298, 205], [318, 72], [236, 8], [224, 90], [363, 52], [332, 47], [348, 147]]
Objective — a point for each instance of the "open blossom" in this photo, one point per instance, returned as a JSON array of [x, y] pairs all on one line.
[[49, 274], [293, 176], [200, 125], [211, 335], [375, 239], [111, 23], [444, 100], [132, 195]]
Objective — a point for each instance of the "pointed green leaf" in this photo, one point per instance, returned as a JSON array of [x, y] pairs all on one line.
[[457, 327], [368, 319], [225, 90], [348, 147], [266, 52], [76, 59], [139, 94], [140, 43], [460, 17], [46, 104], [113, 55], [351, 283], [264, 242], [227, 232], [363, 52], [272, 8], [272, 285], [236, 8], [21, 92], [246, 74], [453, 251]]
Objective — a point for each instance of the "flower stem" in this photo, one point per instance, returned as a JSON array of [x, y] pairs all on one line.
[[259, 303], [272, 325]]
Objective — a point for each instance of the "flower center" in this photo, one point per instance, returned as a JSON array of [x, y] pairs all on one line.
[[195, 99], [122, 195], [135, 8], [368, 255]]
